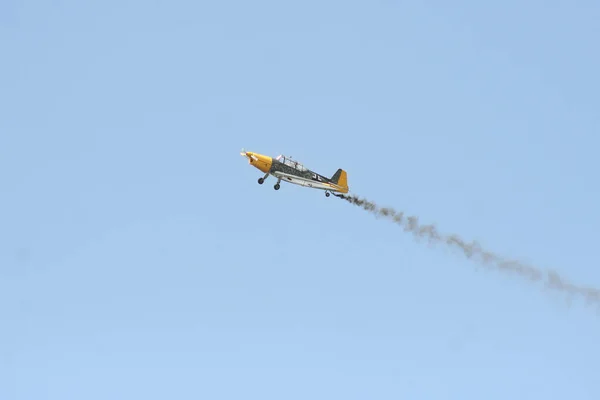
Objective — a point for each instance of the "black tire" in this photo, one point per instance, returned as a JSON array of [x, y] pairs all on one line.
[[327, 194], [261, 181], [276, 187]]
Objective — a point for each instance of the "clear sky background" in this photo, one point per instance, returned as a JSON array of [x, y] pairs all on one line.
[[139, 258]]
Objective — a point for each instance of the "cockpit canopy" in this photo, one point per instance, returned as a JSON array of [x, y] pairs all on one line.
[[291, 163]]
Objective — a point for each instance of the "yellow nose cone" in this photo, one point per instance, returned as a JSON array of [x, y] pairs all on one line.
[[259, 161]]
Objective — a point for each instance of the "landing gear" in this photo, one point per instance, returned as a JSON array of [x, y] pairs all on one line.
[[262, 180], [277, 186], [327, 194]]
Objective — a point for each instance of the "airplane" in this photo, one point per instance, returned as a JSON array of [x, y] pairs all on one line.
[[287, 170]]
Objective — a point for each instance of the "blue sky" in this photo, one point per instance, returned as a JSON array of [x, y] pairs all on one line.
[[140, 258]]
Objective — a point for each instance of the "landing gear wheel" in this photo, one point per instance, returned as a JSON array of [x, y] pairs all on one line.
[[276, 187], [327, 194], [261, 181]]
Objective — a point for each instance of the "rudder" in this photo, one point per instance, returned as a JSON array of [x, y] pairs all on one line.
[[340, 178]]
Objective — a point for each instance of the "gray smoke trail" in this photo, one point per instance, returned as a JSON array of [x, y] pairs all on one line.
[[473, 249]]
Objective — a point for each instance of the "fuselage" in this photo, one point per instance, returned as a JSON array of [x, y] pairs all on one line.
[[299, 175]]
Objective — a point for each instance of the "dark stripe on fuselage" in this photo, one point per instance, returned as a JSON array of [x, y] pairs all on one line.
[[278, 166]]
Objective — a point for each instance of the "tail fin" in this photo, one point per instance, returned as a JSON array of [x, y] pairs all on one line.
[[340, 178]]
